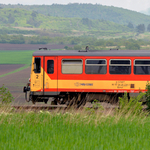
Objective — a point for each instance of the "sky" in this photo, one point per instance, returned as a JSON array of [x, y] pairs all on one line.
[[135, 5]]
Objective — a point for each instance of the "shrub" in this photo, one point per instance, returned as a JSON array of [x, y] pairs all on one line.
[[130, 106], [5, 96], [147, 95]]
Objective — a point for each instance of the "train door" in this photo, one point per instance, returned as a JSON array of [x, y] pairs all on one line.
[[50, 76], [37, 74]]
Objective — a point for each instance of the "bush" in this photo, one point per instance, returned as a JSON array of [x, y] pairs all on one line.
[[147, 96], [5, 96], [77, 47], [131, 106]]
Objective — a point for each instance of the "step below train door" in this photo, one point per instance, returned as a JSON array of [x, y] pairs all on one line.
[[50, 76]]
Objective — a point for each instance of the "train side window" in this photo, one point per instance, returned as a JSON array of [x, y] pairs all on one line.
[[120, 66], [37, 65], [50, 66], [96, 66], [72, 66], [142, 66]]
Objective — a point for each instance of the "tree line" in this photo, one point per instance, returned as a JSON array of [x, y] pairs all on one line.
[[77, 42], [140, 28]]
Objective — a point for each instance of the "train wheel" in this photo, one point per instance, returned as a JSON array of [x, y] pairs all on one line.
[[54, 102], [33, 99], [45, 101]]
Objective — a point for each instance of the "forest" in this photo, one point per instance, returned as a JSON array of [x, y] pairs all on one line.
[[90, 11]]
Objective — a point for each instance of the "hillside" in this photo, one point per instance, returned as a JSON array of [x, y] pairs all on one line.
[[109, 13], [16, 17]]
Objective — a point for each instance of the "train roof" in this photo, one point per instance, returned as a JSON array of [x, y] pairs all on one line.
[[92, 53]]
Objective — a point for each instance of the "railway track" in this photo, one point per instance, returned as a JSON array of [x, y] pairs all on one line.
[[38, 107], [59, 107]]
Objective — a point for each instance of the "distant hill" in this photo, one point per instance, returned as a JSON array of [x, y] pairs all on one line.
[[90, 11], [17, 17]]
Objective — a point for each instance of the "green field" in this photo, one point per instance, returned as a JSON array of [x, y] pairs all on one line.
[[16, 57], [66, 131]]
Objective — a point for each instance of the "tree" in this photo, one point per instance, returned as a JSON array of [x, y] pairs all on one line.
[[132, 45], [77, 47], [140, 28], [148, 28], [86, 22], [11, 19], [130, 25], [34, 14], [33, 22]]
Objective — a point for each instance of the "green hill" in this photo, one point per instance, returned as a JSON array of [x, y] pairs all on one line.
[[17, 17], [90, 11]]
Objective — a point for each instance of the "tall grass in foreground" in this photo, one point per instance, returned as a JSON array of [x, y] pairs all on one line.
[[73, 130]]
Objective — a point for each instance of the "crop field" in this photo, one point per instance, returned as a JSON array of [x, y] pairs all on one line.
[[15, 82], [15, 71], [6, 68], [18, 47]]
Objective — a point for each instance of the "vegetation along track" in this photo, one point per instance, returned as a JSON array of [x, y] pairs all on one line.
[[97, 106]]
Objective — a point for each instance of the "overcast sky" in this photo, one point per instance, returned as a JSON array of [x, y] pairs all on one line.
[[136, 5]]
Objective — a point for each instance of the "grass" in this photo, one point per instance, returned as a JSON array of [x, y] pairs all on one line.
[[73, 130]]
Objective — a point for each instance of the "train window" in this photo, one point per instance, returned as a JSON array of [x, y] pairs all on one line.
[[72, 66], [96, 66], [37, 65], [142, 66], [50, 66], [120, 66]]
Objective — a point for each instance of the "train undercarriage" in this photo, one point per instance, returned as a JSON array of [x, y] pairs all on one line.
[[75, 99]]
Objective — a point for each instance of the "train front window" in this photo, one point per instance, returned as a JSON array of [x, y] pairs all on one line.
[[96, 66], [120, 66], [50, 66], [142, 67], [37, 65], [72, 66]]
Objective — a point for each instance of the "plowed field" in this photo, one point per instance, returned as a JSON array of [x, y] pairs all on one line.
[[30, 46], [15, 82], [5, 68]]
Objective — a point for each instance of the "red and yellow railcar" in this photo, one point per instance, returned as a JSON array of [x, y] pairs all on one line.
[[73, 76]]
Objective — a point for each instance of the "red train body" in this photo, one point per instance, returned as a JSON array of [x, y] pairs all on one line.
[[68, 75]]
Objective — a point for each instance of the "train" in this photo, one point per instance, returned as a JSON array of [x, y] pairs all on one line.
[[74, 77]]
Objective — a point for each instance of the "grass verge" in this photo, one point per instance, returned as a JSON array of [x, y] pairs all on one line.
[[73, 130]]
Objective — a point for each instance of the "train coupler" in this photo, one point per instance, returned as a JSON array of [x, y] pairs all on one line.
[[26, 89]]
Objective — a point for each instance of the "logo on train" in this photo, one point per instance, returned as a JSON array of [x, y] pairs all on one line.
[[83, 84]]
